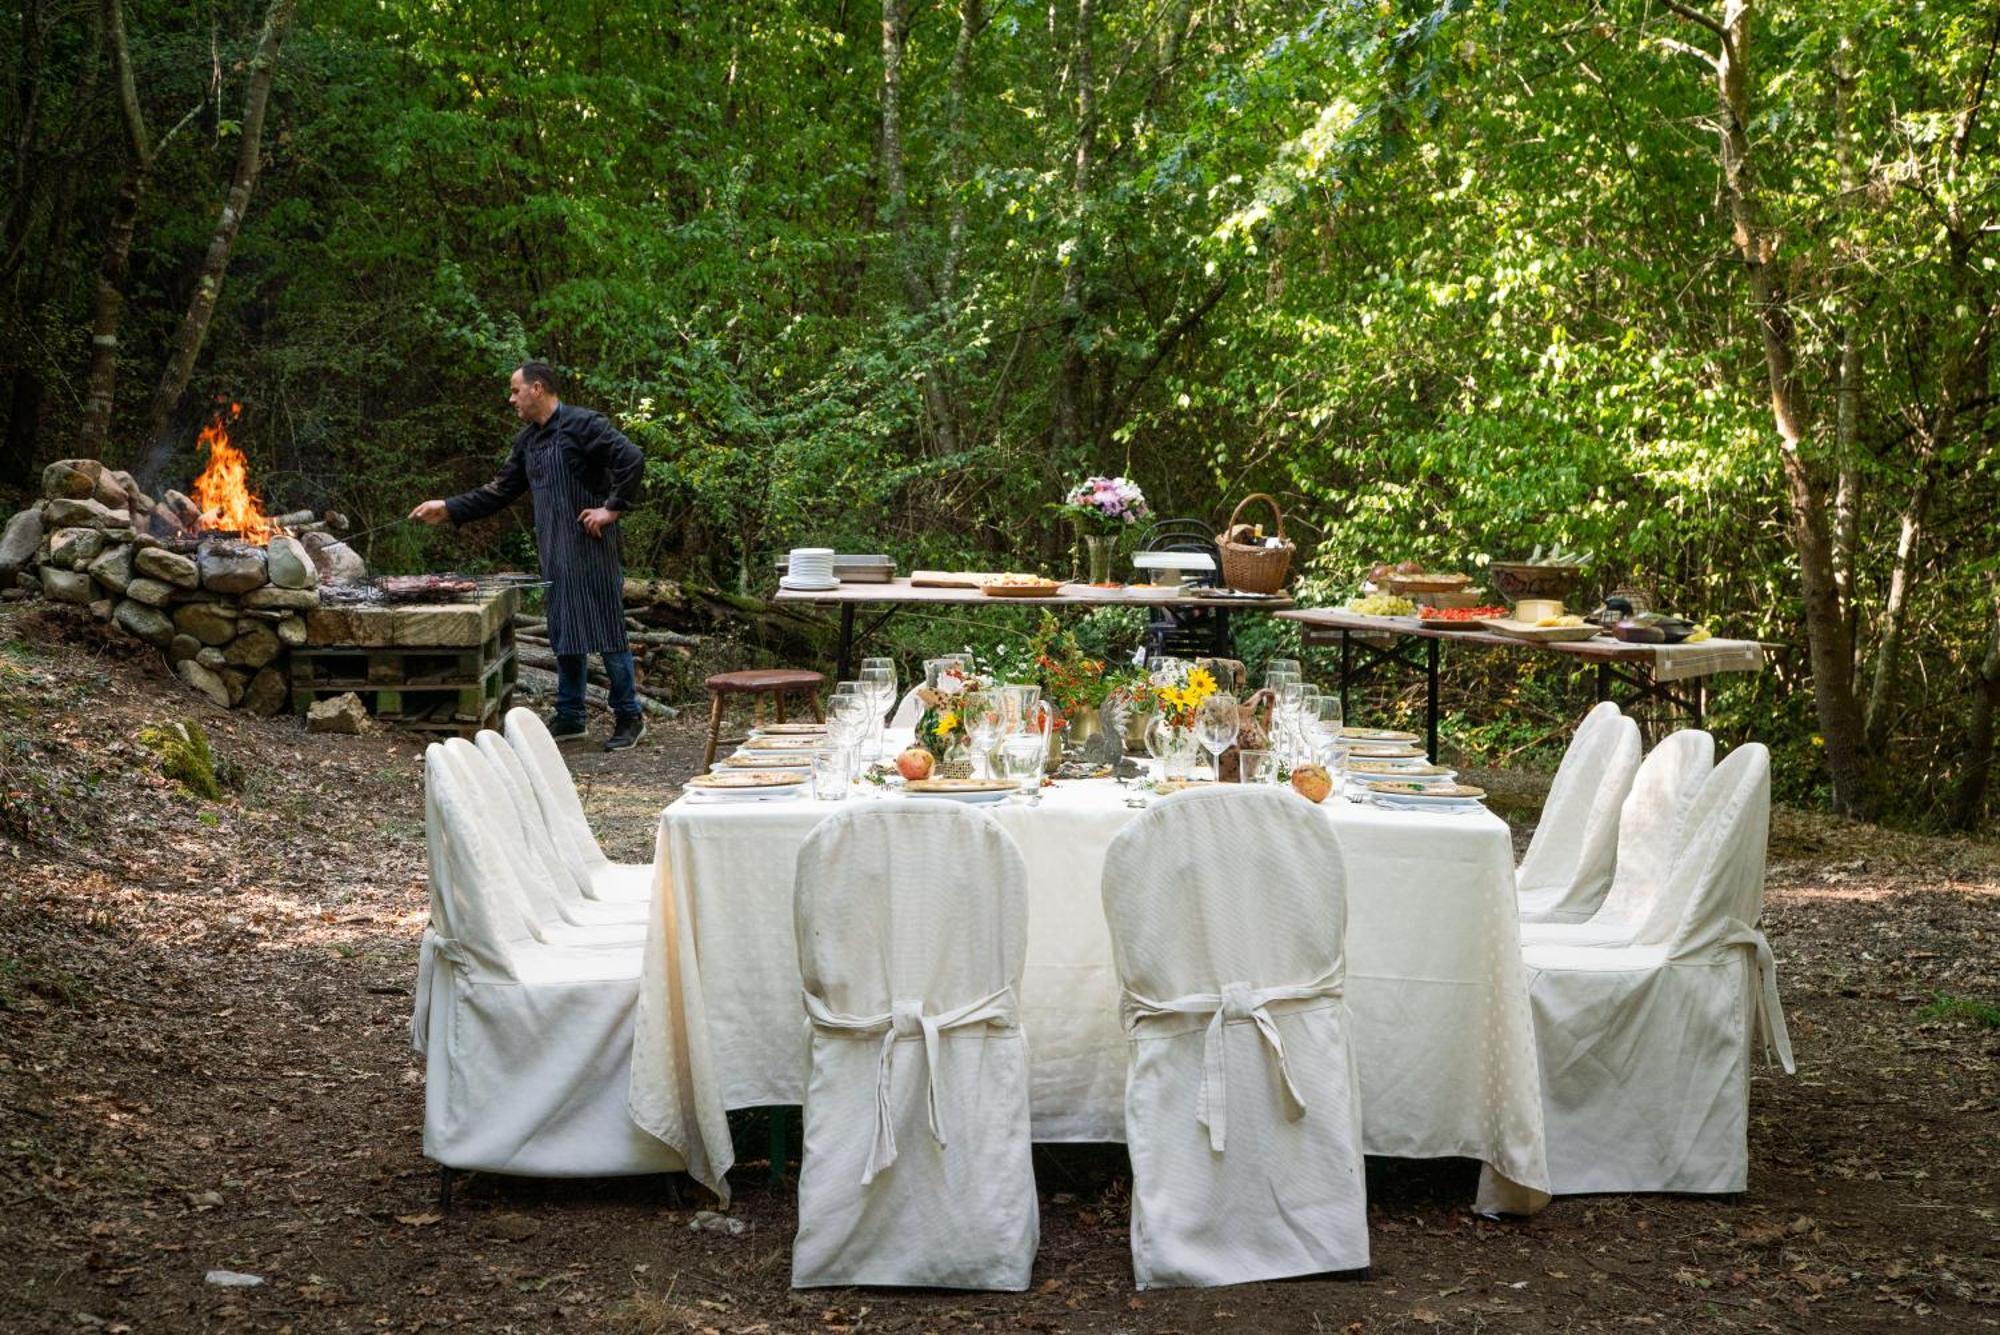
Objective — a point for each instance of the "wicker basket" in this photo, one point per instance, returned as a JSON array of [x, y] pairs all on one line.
[[1252, 569]]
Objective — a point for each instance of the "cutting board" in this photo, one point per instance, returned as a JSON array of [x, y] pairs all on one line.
[[948, 579]]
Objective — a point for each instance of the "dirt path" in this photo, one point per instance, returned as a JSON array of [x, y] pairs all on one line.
[[204, 1064]]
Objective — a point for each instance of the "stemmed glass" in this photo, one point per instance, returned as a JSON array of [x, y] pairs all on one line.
[[1215, 727], [847, 721], [878, 682], [1328, 719], [983, 724]]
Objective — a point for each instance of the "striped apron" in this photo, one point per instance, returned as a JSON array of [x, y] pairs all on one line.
[[586, 576]]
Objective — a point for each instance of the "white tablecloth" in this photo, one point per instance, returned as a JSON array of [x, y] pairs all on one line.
[[1442, 1030]]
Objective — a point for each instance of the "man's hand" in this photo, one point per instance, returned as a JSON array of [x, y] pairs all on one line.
[[596, 520], [430, 512]]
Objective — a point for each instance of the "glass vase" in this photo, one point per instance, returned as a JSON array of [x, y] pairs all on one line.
[[1100, 547]]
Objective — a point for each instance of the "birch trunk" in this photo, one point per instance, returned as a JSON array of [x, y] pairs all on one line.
[[1071, 377]]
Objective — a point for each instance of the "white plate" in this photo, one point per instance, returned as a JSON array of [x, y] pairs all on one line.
[[975, 799], [701, 797], [1443, 806], [807, 586]]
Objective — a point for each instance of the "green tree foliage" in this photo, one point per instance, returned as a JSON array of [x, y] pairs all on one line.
[[1451, 277]]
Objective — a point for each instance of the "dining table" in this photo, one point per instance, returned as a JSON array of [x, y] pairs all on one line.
[[1440, 1019]]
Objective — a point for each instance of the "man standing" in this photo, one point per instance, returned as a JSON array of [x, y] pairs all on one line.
[[583, 474]]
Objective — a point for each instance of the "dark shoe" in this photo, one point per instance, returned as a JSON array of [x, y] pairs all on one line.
[[564, 729], [627, 732]]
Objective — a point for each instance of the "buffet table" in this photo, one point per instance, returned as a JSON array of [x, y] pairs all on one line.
[[1442, 1032]]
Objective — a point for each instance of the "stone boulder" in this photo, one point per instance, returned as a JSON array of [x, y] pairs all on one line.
[[290, 564], [212, 658], [19, 543], [343, 714], [101, 608], [150, 591], [292, 632], [236, 681], [203, 680], [338, 563], [71, 479], [255, 647], [75, 548], [148, 623], [136, 500], [68, 586], [210, 623], [271, 598], [169, 567], [84, 514], [182, 646], [113, 569], [266, 693], [177, 513], [234, 569]]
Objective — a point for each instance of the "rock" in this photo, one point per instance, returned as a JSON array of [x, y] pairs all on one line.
[[290, 564], [71, 479], [113, 569], [203, 680], [253, 648], [111, 491], [171, 567], [341, 714], [67, 586], [235, 569], [708, 1221], [271, 597], [14, 595], [75, 548], [148, 623], [101, 609], [177, 513], [235, 681], [337, 562], [291, 632], [211, 658], [262, 614], [208, 622], [513, 1227], [231, 1279], [29, 581], [84, 514], [182, 647], [149, 591], [19, 543], [266, 693], [137, 501]]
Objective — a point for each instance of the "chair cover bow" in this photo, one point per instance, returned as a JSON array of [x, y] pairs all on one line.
[[1237, 1003], [907, 1019], [1770, 1013]]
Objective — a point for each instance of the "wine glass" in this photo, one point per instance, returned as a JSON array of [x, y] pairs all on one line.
[[984, 722], [1328, 720], [1279, 670], [878, 684], [1215, 727]]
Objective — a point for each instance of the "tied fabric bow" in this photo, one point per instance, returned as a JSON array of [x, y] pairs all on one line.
[[1237, 1002], [1770, 1013], [907, 1019]]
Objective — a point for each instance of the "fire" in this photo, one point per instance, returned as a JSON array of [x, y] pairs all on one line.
[[223, 489]]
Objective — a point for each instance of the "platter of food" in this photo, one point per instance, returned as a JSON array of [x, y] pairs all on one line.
[[805, 731], [1377, 735], [1420, 796], [756, 760], [960, 790], [1019, 586], [1377, 769], [1458, 618], [1549, 630], [1381, 605], [746, 780]]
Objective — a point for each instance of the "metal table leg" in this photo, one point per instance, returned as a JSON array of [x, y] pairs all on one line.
[[845, 657], [1346, 670], [1431, 698]]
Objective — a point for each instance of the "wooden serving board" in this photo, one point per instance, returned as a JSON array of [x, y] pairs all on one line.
[[949, 579]]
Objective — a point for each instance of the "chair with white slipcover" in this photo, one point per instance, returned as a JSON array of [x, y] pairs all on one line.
[[528, 1046], [570, 881], [1228, 917], [1569, 864], [1645, 1049], [909, 711], [912, 923], [1652, 822], [569, 830]]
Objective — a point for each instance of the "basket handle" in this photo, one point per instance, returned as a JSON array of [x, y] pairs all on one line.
[[1257, 496]]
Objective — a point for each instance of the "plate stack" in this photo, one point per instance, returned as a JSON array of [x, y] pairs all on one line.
[[810, 570]]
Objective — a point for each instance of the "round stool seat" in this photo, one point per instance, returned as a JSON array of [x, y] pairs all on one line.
[[763, 681]]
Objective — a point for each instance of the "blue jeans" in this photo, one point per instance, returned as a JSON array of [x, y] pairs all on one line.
[[573, 671]]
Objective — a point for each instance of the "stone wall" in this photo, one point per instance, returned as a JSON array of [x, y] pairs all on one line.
[[224, 612]]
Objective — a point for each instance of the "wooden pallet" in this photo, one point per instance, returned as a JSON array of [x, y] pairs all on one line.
[[429, 688]]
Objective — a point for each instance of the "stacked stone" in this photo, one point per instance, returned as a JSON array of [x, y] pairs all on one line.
[[224, 616]]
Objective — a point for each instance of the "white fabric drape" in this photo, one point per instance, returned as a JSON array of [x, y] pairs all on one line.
[[1441, 1029], [912, 928], [1645, 1048], [1570, 861], [574, 883], [1242, 1105], [908, 710], [562, 810], [1644, 902], [527, 1046]]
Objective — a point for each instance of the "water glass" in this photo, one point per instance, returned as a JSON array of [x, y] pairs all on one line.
[[832, 773], [1022, 756], [983, 724], [1256, 767]]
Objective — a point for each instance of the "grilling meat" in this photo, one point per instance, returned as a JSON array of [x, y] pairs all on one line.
[[425, 588]]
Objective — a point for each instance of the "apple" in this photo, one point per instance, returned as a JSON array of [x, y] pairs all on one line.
[[1312, 782], [915, 763]]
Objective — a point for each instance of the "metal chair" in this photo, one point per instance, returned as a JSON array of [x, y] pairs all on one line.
[[1188, 632]]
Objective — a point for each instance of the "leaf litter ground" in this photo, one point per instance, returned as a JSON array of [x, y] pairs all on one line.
[[204, 1065]]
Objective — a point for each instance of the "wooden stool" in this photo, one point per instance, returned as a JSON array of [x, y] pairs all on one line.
[[756, 683]]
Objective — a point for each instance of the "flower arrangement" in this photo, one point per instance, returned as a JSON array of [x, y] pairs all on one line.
[[1176, 690], [946, 706], [1105, 504]]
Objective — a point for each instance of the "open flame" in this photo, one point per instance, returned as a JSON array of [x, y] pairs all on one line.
[[223, 489]]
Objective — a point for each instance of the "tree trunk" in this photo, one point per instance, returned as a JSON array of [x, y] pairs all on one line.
[[1882, 688], [969, 23], [1970, 793], [1829, 649], [1847, 391], [1071, 376], [208, 287]]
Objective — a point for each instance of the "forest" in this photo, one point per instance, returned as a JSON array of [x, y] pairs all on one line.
[[1707, 287]]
